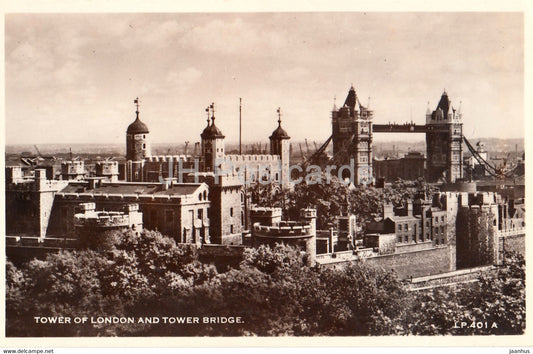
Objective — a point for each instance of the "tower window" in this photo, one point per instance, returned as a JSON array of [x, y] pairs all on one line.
[[230, 211], [144, 136], [144, 146]]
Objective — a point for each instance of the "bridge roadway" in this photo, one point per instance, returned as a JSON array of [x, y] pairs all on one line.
[[408, 128], [399, 128]]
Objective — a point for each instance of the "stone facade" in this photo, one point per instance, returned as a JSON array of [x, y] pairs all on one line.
[[29, 203], [301, 234], [409, 167], [352, 137], [92, 222], [176, 210], [444, 134]]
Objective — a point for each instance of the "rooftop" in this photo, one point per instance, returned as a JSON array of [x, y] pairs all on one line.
[[176, 189]]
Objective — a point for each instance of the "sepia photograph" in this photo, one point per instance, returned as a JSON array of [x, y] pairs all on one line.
[[265, 174]]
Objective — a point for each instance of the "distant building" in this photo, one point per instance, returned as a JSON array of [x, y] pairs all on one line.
[[409, 167]]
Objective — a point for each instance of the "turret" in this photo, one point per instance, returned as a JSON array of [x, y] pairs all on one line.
[[137, 147], [212, 143], [137, 143], [279, 145]]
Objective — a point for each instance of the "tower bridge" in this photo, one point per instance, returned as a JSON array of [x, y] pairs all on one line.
[[353, 129]]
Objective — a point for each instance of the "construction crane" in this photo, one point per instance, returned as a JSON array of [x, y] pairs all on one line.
[[314, 158], [41, 155], [501, 172], [302, 153]]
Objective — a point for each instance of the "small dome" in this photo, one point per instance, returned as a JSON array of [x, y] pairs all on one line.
[[137, 127], [279, 133], [212, 131]]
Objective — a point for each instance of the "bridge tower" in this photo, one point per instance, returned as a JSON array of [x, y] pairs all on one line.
[[444, 133], [352, 137]]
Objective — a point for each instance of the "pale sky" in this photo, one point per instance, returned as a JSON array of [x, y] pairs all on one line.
[[73, 78]]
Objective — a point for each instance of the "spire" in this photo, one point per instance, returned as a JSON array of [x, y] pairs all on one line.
[[279, 116], [334, 103], [428, 110], [351, 99]]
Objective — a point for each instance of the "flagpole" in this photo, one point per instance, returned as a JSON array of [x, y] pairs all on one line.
[[240, 126]]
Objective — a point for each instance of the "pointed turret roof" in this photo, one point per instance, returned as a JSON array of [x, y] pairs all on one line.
[[445, 105], [351, 99]]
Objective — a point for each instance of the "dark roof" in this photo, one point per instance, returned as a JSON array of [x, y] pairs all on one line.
[[351, 98], [444, 104], [133, 188], [137, 127], [212, 131], [279, 133]]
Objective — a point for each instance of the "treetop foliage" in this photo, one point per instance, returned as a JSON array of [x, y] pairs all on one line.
[[273, 292]]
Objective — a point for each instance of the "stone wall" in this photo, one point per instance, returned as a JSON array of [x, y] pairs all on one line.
[[410, 264], [415, 264], [512, 243]]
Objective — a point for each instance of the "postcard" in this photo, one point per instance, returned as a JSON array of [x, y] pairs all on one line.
[[242, 176]]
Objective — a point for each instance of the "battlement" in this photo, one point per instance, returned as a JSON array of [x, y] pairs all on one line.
[[167, 158], [263, 211], [107, 219], [440, 118], [252, 158], [308, 213], [285, 229]]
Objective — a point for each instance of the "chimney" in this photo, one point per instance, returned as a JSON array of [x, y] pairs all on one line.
[[388, 210]]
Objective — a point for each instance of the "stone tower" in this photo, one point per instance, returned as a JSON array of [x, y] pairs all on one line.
[[279, 145], [352, 137], [444, 142], [137, 147], [212, 144]]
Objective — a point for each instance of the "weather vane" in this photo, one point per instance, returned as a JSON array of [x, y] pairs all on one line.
[[136, 101]]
